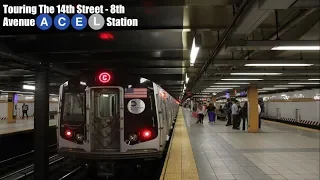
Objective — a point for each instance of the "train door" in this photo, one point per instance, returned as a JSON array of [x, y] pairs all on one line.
[[107, 116]]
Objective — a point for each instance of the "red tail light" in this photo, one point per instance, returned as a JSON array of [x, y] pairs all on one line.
[[68, 133], [146, 134]]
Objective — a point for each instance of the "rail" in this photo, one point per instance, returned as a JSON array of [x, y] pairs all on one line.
[[53, 159], [21, 155], [71, 173]]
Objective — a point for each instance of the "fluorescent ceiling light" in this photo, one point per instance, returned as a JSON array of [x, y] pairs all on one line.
[[275, 65], [232, 83], [255, 74], [314, 79], [271, 89], [304, 83], [288, 85], [194, 52], [217, 88], [142, 80], [83, 83], [210, 91], [28, 87], [105, 95], [296, 48], [241, 79], [230, 86]]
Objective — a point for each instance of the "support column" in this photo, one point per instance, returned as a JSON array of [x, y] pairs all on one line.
[[11, 108], [41, 124], [253, 114]]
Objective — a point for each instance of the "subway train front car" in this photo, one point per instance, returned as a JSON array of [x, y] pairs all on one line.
[[115, 117]]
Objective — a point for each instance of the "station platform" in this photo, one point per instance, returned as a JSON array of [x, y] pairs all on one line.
[[20, 126], [279, 151]]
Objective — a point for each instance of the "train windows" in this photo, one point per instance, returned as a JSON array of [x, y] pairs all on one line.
[[73, 109], [107, 105]]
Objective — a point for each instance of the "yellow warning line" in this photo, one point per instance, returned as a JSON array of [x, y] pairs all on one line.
[[180, 163], [294, 126]]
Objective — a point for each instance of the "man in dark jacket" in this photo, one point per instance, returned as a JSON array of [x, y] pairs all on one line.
[[244, 115], [25, 110], [229, 112]]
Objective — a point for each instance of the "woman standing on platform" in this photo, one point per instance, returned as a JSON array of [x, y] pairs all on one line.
[[200, 111], [211, 113]]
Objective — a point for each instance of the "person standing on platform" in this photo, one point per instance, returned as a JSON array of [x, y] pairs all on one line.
[[24, 110], [211, 113], [200, 111], [261, 106], [259, 111], [244, 115], [229, 112], [235, 114]]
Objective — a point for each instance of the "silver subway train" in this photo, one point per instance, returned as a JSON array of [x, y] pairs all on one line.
[[115, 117]]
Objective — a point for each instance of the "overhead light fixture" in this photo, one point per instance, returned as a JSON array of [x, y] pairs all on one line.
[[194, 52], [187, 79], [83, 83], [241, 79], [314, 79], [307, 83], [230, 86], [296, 48], [217, 88], [271, 89], [278, 65], [288, 86], [211, 91], [142, 80], [232, 83], [28, 87], [255, 74]]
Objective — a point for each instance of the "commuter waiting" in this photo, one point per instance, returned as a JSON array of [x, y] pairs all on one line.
[[25, 110], [211, 113], [244, 115], [229, 112], [235, 115]]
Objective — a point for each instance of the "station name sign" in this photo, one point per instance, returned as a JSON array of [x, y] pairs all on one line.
[[63, 16]]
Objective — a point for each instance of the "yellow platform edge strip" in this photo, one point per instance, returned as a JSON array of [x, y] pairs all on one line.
[[180, 163]]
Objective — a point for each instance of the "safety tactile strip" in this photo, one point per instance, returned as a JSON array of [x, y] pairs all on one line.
[[180, 163]]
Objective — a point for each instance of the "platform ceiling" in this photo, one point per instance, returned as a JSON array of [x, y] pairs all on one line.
[[159, 48]]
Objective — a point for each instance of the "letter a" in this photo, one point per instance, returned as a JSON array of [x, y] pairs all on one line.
[[44, 21]]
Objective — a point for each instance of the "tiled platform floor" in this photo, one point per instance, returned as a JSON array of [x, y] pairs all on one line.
[[278, 152], [20, 125]]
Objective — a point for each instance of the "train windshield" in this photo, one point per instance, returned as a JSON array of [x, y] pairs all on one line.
[[73, 107]]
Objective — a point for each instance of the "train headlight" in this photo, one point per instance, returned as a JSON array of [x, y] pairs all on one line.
[[79, 137], [133, 137]]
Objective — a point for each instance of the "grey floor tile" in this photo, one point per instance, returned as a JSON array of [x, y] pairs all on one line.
[[260, 177], [243, 177]]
